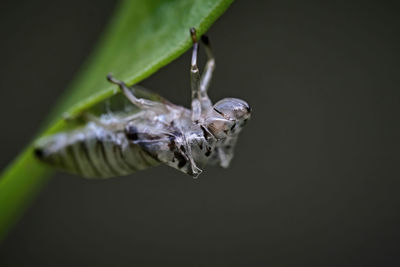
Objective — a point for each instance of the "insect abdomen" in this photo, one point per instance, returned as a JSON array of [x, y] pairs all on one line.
[[93, 152]]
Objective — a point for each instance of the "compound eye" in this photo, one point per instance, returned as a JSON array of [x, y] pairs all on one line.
[[233, 109]]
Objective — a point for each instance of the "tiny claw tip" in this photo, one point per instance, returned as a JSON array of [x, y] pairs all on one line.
[[109, 76], [193, 34]]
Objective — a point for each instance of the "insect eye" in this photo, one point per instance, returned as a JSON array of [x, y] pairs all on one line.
[[233, 109]]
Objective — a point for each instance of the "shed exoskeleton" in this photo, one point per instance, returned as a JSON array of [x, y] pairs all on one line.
[[159, 132]]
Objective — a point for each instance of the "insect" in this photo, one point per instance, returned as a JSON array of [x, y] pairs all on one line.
[[159, 132]]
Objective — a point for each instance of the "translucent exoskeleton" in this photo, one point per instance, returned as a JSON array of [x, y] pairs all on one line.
[[116, 144]]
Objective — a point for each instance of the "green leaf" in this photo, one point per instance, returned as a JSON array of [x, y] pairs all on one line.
[[142, 37]]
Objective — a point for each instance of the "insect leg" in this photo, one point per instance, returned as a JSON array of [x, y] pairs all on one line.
[[194, 170], [139, 102], [195, 79], [208, 70], [201, 103]]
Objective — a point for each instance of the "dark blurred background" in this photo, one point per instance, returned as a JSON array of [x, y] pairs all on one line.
[[315, 180]]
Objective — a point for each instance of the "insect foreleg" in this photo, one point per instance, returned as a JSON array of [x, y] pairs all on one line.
[[195, 79], [201, 103], [208, 70], [139, 102]]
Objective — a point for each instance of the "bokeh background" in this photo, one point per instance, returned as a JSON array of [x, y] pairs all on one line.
[[315, 180]]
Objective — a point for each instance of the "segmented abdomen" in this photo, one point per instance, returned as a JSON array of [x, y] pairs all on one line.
[[93, 152]]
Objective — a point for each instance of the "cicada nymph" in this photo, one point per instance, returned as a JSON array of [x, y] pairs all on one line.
[[156, 132]]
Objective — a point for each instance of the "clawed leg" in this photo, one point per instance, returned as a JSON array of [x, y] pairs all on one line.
[[195, 79], [201, 103], [208, 70], [139, 102]]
